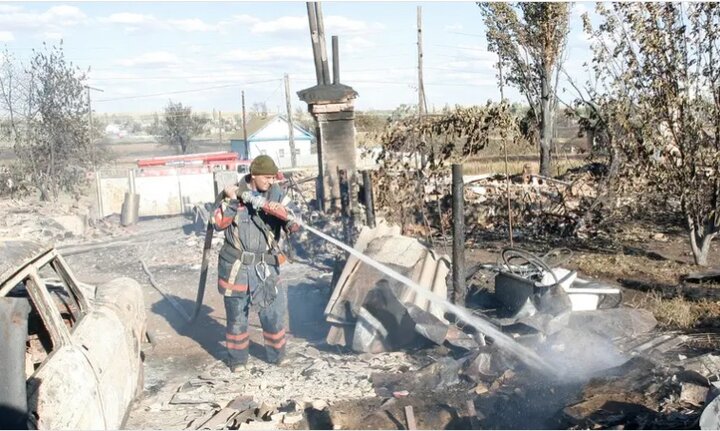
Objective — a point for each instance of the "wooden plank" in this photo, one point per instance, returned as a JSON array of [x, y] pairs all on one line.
[[48, 311], [410, 418], [220, 419]]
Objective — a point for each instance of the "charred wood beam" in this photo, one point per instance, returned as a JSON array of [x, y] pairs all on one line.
[[458, 214]]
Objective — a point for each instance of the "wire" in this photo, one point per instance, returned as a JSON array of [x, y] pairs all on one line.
[[184, 91]]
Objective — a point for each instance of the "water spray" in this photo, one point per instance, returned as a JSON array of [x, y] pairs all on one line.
[[502, 340]]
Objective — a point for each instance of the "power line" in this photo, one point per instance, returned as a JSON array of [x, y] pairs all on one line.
[[186, 91], [460, 47], [466, 34]]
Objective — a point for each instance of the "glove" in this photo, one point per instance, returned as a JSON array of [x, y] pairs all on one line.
[[274, 209], [293, 226], [231, 191]]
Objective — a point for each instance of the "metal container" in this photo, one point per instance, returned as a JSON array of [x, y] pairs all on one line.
[[512, 290]]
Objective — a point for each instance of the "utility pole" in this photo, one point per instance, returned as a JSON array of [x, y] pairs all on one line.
[[90, 122], [422, 103], [247, 147], [220, 125], [291, 128]]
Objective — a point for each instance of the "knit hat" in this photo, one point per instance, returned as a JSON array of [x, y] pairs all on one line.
[[263, 165]]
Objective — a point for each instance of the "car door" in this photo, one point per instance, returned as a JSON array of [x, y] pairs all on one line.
[[63, 391]]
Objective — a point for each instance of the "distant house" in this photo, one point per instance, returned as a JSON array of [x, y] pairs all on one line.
[[269, 135]]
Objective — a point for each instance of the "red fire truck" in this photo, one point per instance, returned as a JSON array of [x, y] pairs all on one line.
[[193, 164]]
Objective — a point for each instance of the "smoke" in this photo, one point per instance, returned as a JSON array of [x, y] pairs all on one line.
[[578, 354]]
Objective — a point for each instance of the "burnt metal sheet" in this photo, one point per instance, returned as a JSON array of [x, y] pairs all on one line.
[[16, 254], [13, 332], [405, 255]]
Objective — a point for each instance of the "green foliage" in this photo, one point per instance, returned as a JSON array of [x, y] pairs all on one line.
[[529, 39], [180, 125], [657, 104], [47, 112], [417, 152]]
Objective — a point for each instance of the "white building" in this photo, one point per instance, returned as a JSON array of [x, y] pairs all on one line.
[[269, 135]]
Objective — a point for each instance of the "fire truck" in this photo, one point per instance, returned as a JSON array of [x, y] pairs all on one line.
[[193, 164]]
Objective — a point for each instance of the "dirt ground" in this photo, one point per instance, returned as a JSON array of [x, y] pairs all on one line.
[[189, 359]]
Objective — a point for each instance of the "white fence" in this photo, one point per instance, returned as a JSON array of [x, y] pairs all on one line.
[[159, 195]]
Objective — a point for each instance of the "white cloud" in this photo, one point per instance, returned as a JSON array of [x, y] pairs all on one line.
[[192, 25], [282, 24], [355, 44], [150, 59], [341, 25], [334, 24], [136, 21], [130, 19], [51, 35], [6, 8], [6, 36], [64, 16], [245, 19], [269, 54], [54, 18]]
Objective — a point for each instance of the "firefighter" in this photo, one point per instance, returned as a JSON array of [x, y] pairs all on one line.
[[250, 260]]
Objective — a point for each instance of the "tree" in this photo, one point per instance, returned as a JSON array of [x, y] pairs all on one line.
[[47, 113], [659, 102], [180, 125], [530, 49]]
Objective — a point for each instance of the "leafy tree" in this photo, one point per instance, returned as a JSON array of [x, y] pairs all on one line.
[[529, 39], [180, 125], [658, 105], [47, 112]]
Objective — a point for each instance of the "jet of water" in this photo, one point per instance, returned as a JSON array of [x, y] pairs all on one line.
[[503, 341]]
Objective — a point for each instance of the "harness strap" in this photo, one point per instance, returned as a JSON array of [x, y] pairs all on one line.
[[249, 258]]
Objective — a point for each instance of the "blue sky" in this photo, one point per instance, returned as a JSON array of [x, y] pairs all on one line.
[[204, 53]]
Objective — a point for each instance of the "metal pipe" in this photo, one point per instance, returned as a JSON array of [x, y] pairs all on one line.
[[320, 186], [458, 215], [13, 334], [336, 60], [368, 198]]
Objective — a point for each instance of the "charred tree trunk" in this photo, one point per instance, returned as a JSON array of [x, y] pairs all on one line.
[[546, 116], [700, 239]]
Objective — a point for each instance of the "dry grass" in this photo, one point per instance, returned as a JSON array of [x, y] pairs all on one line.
[[679, 313], [480, 168]]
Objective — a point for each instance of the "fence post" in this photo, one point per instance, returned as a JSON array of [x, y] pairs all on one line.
[[458, 215], [368, 199], [346, 211]]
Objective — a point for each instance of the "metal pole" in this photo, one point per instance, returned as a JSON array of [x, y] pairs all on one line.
[[13, 398], [323, 49], [315, 40], [336, 60], [291, 134], [368, 198], [458, 258], [422, 103], [247, 147]]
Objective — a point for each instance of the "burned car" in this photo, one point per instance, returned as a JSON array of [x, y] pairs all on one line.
[[72, 354]]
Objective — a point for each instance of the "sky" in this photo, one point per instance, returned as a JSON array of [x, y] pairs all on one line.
[[203, 54]]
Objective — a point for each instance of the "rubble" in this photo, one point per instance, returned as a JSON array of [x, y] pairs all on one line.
[[368, 312]]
